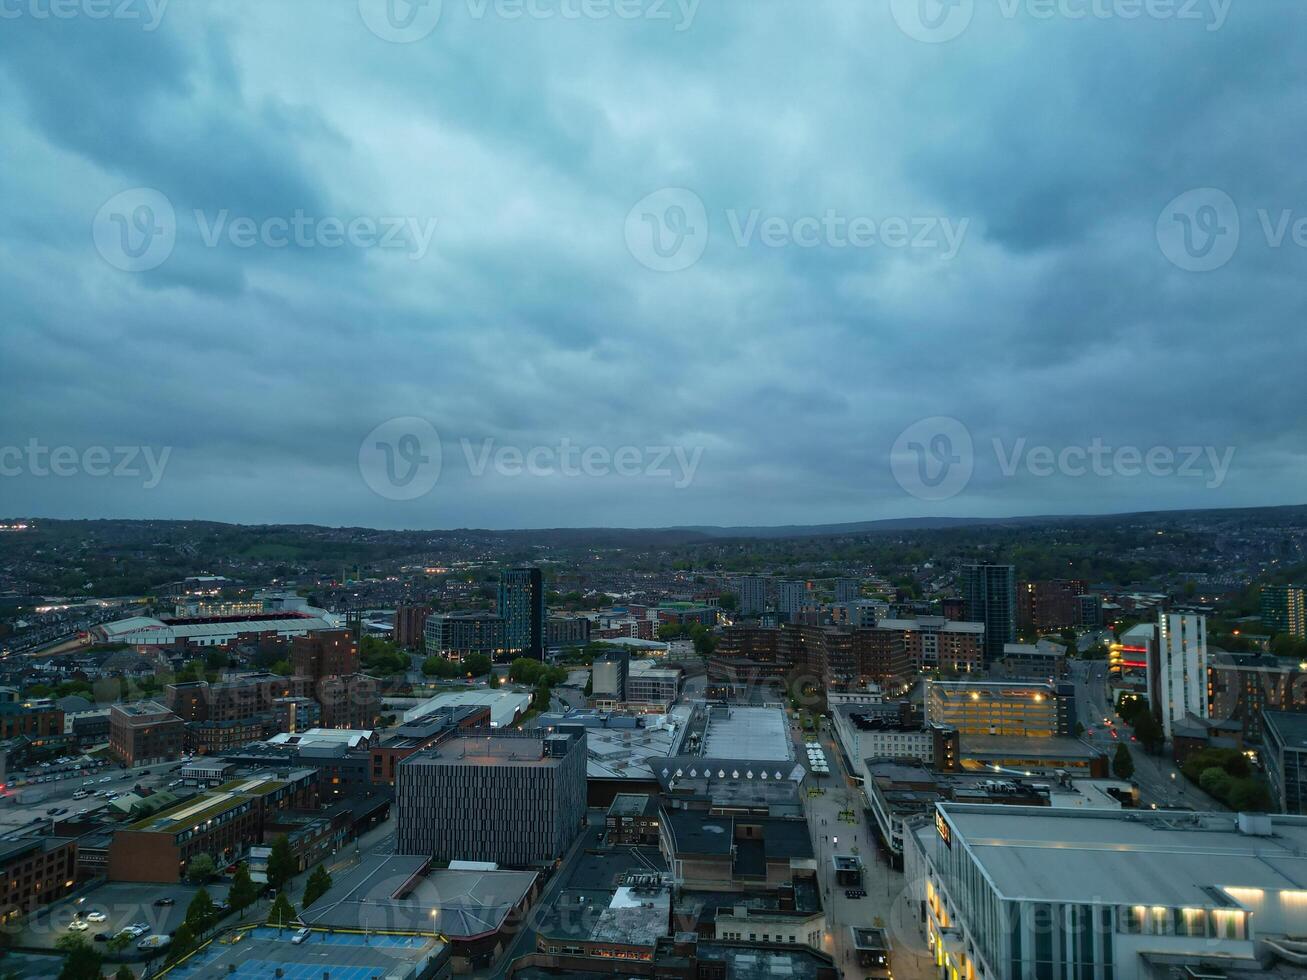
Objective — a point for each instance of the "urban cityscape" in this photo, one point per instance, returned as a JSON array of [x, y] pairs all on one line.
[[618, 489]]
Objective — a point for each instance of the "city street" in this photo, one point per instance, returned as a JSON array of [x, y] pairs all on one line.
[[1159, 780], [886, 903]]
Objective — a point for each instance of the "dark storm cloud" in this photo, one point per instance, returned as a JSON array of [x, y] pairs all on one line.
[[1051, 146]]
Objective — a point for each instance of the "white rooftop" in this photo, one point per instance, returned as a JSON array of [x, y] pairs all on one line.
[[1154, 858], [505, 706], [746, 732]]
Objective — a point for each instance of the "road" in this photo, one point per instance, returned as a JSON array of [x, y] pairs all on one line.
[[1159, 780], [838, 826]]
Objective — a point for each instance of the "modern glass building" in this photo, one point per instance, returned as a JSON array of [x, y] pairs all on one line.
[[1039, 893], [989, 596], [522, 607]]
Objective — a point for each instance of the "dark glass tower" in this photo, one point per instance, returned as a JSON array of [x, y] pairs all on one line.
[[989, 593], [522, 606]]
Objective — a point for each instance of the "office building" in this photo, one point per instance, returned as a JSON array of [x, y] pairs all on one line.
[[1035, 709], [751, 593], [456, 635], [1016, 892], [35, 871], [863, 733], [1284, 609], [324, 653], [567, 631], [791, 596], [222, 823], [145, 732], [1177, 677], [847, 589], [1043, 659], [410, 624], [1245, 685], [350, 701], [1284, 754], [648, 684], [522, 607], [933, 643], [1050, 606], [632, 819], [608, 676], [36, 720], [989, 594], [517, 799], [1091, 610]]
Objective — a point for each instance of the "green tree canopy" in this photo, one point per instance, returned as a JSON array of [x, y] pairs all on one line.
[[281, 863], [319, 884], [1123, 763], [200, 914], [81, 960], [282, 912], [243, 890], [199, 869]]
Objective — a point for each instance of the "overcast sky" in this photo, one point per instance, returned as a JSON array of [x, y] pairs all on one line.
[[644, 262]]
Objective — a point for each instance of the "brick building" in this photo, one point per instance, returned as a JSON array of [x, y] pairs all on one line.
[[145, 732], [324, 653], [35, 871]]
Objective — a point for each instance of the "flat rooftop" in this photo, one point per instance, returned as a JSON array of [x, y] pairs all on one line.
[[505, 706], [746, 732], [486, 750], [1291, 727], [457, 903], [261, 952], [1132, 858]]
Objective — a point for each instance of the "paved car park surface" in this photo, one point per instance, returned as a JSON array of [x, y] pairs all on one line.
[[123, 904]]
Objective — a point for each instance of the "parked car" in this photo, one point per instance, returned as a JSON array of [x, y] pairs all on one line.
[[96, 916], [163, 902], [300, 936], [78, 925]]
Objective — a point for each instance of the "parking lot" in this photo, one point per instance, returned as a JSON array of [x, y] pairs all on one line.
[[122, 904], [33, 802]]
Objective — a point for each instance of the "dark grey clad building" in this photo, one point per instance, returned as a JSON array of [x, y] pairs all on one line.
[[515, 798], [522, 606], [989, 595]]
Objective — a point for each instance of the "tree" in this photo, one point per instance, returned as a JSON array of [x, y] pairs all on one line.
[[319, 884], [1123, 764], [282, 912], [281, 863], [1216, 781], [243, 890], [200, 869], [437, 666], [1148, 731], [201, 912], [183, 941], [476, 664], [124, 973], [81, 960], [282, 668]]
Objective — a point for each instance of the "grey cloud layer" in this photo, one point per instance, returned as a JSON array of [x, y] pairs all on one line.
[[528, 321]]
